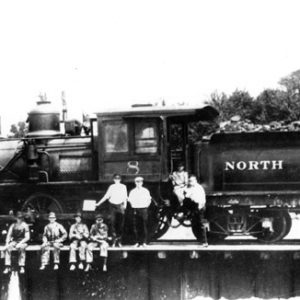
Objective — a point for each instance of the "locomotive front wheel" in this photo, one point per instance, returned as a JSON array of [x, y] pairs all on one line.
[[281, 224], [41, 203]]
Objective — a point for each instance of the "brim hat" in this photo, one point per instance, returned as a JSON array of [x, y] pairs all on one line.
[[52, 215], [19, 215], [139, 178], [98, 216], [78, 215]]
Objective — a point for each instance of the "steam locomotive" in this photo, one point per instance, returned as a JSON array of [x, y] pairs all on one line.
[[251, 179]]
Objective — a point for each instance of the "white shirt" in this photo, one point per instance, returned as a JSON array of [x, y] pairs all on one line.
[[197, 194], [139, 198], [180, 179], [116, 193]]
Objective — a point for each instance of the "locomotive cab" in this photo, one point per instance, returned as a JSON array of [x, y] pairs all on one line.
[[142, 142], [146, 142]]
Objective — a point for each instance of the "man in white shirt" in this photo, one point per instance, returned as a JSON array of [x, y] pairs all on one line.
[[117, 198], [194, 203], [195, 192], [140, 200]]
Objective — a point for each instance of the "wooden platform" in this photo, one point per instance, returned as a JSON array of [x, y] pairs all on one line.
[[191, 247]]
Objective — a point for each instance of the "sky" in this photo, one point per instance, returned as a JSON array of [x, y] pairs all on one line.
[[110, 54]]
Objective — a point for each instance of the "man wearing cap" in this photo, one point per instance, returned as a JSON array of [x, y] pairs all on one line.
[[140, 200], [179, 180], [117, 198], [17, 237], [98, 238], [54, 235], [78, 235]]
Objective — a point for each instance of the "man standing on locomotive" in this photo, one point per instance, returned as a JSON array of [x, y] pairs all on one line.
[[117, 198], [195, 200], [17, 237], [179, 180], [140, 200], [79, 234], [54, 236], [98, 237]]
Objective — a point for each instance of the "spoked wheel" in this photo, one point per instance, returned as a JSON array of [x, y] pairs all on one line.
[[160, 222], [288, 222], [42, 204], [36, 208], [281, 225]]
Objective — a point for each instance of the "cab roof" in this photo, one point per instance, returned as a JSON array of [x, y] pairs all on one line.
[[192, 113]]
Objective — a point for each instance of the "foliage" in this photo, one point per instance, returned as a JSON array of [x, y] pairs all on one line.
[[18, 130], [291, 83], [238, 103], [271, 105]]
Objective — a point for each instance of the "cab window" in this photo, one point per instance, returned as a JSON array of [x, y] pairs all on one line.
[[146, 138], [116, 137]]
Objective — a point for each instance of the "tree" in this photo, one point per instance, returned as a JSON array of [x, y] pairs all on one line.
[[291, 83], [238, 103], [18, 130], [272, 105]]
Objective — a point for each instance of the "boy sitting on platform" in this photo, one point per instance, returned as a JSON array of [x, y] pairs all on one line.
[[98, 238], [79, 234], [17, 237]]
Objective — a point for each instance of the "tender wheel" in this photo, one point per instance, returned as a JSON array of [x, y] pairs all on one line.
[[281, 225], [42, 204], [288, 222]]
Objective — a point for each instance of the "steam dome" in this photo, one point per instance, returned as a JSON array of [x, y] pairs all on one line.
[[43, 120]]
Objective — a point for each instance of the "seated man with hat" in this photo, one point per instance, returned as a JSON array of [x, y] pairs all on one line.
[[79, 234], [54, 235], [17, 237], [98, 238]]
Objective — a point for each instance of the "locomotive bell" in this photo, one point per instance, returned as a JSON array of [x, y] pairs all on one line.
[[43, 120]]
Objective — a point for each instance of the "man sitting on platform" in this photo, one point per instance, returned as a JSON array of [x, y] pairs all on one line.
[[79, 234], [17, 237], [54, 236], [98, 237]]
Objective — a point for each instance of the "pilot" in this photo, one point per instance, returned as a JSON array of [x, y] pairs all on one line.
[[54, 235], [140, 200], [78, 235], [179, 180], [17, 237], [117, 199], [195, 201], [98, 237]]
